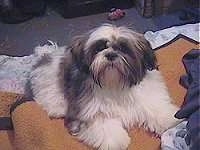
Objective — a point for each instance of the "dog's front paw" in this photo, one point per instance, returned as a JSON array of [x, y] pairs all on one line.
[[116, 142], [75, 126], [105, 134], [163, 122], [165, 125], [160, 122], [57, 111]]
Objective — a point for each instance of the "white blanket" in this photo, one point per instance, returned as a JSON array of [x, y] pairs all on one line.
[[161, 37]]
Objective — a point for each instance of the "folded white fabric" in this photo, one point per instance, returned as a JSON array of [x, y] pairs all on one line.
[[174, 138], [11, 85], [14, 72], [161, 37]]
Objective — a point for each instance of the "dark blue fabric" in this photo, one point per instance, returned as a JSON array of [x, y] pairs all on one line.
[[191, 105]]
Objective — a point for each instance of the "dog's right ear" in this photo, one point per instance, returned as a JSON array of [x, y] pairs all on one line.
[[77, 47]]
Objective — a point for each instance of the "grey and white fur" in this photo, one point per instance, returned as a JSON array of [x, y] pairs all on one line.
[[104, 83]]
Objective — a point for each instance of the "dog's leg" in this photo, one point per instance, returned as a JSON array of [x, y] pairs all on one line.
[[52, 101], [105, 134], [162, 118], [46, 80], [155, 108], [156, 111], [47, 93]]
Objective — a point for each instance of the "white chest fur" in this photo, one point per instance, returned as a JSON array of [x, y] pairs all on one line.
[[135, 105]]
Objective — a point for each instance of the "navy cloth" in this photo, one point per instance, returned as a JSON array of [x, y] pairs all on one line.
[[191, 106]]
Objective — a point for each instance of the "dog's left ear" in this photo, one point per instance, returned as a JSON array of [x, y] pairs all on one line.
[[77, 51], [149, 58], [77, 46]]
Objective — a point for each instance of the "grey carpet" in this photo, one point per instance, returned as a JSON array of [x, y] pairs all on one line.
[[20, 39]]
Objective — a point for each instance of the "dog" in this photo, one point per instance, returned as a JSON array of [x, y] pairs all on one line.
[[104, 83]]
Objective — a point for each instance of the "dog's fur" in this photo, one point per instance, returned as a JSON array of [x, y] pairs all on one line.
[[104, 83]]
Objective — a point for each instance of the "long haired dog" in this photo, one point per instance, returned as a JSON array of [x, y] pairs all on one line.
[[105, 83]]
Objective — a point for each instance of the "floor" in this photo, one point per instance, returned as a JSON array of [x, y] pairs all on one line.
[[20, 39]]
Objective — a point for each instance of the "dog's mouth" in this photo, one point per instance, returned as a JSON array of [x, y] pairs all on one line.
[[109, 68], [110, 75]]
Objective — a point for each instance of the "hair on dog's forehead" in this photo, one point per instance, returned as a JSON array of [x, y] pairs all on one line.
[[110, 33]]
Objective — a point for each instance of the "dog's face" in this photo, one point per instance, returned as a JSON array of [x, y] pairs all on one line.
[[114, 56]]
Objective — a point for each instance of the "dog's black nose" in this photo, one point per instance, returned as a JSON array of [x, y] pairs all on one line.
[[111, 56]]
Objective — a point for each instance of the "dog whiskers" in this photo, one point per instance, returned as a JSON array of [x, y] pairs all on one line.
[[125, 61]]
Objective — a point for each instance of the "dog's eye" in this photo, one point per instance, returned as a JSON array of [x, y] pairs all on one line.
[[124, 48], [101, 47]]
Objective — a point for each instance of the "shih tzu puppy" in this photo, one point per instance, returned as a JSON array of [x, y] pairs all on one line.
[[104, 83]]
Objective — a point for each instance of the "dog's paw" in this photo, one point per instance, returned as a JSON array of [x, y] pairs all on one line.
[[162, 118], [116, 142], [56, 112], [165, 125], [105, 134], [75, 126]]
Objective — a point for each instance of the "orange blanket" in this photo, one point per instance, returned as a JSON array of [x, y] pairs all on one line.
[[34, 130]]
